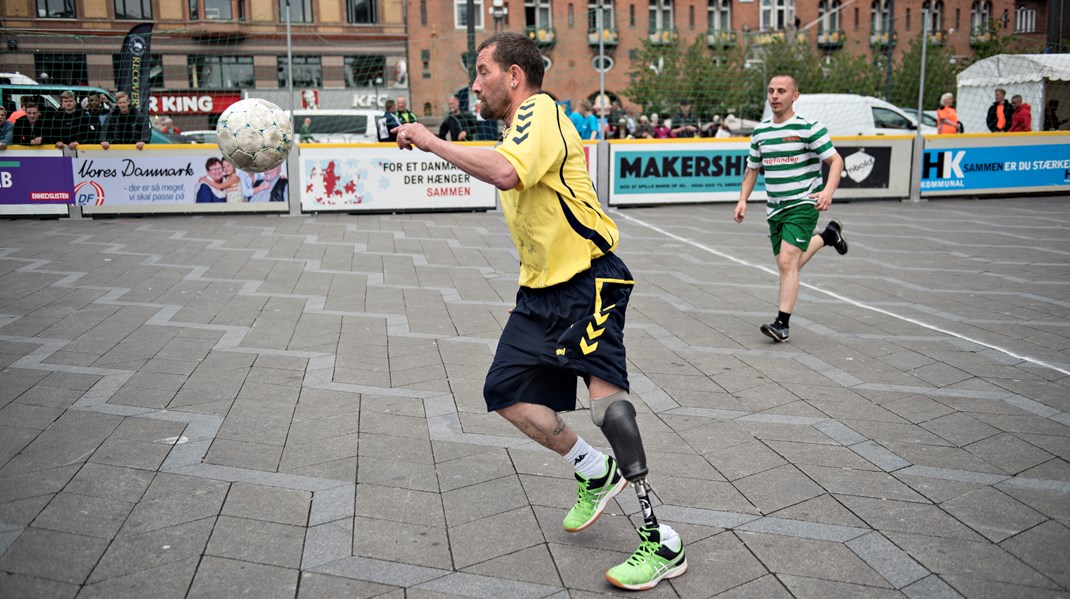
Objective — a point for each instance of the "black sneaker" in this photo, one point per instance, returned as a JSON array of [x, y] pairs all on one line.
[[841, 241], [776, 330]]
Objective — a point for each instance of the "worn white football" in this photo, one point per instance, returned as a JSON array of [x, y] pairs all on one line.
[[255, 135]]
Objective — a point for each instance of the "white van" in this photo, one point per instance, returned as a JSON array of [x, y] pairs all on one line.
[[339, 126], [851, 114]]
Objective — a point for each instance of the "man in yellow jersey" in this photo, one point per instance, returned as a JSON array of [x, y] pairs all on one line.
[[569, 316]]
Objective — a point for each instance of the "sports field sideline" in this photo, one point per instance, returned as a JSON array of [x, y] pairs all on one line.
[[290, 406]]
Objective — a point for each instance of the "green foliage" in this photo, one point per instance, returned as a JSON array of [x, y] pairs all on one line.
[[940, 73]]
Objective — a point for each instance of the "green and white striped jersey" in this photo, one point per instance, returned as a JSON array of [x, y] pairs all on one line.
[[791, 154]]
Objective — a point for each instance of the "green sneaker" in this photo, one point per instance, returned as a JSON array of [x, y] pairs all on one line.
[[592, 497], [654, 561]]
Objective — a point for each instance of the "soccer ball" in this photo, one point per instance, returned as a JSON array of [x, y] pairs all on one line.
[[255, 135]]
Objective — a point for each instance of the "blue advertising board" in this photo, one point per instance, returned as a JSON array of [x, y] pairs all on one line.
[[659, 173], [1020, 167], [35, 180]]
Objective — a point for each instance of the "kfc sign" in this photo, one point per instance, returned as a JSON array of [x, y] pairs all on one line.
[[191, 103]]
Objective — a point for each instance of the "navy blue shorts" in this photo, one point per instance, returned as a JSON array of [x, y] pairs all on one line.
[[555, 334]]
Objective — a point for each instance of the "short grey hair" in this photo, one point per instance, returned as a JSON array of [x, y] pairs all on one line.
[[946, 98]]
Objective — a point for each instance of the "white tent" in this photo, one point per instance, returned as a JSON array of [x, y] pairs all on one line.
[[1024, 74]]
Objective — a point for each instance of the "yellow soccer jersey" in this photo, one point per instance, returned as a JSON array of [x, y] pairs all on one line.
[[553, 214]]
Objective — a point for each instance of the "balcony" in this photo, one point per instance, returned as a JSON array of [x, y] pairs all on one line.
[[880, 39], [664, 37], [831, 40], [980, 36], [544, 36], [938, 38], [721, 38], [765, 38], [609, 37]]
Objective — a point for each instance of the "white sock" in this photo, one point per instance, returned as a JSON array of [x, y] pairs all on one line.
[[586, 460], [669, 537]]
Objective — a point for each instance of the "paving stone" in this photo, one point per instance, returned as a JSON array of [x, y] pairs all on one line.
[[167, 580], [992, 513], [806, 588], [1033, 547], [1008, 453], [482, 500], [257, 541], [415, 544], [400, 505], [744, 460], [20, 585], [860, 482], [84, 515], [533, 564], [270, 504], [815, 559], [125, 453], [906, 516], [314, 585], [715, 564], [52, 555], [511, 531], [957, 558], [226, 577], [780, 487]]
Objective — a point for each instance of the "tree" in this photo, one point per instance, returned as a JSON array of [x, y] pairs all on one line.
[[940, 74]]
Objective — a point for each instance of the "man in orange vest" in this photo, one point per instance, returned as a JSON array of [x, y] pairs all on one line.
[[1000, 112]]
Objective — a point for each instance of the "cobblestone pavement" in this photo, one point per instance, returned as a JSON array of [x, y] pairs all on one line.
[[292, 406]]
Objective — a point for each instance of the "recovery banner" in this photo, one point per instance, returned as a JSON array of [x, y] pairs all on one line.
[[134, 64]]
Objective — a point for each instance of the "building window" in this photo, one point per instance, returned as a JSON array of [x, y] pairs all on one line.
[[958, 18], [423, 12], [537, 13], [660, 15], [936, 15], [220, 72], [571, 16], [980, 15], [460, 14], [56, 9], [61, 69], [828, 18], [217, 10], [856, 18], [691, 17], [878, 16], [308, 71], [362, 12], [155, 70], [720, 15], [777, 15], [631, 16], [362, 71], [1025, 20], [608, 21], [602, 63], [300, 11], [194, 10], [908, 18], [133, 9]]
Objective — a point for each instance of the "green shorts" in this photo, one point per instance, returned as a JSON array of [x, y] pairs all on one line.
[[796, 226]]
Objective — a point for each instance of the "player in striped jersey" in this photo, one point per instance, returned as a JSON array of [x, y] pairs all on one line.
[[790, 149]]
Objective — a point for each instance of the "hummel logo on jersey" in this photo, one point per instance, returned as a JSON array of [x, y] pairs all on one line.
[[522, 128], [523, 117], [579, 459]]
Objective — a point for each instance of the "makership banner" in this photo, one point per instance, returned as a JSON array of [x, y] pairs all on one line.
[[378, 177]]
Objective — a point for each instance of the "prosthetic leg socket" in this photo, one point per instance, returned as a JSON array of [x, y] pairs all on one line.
[[622, 432]]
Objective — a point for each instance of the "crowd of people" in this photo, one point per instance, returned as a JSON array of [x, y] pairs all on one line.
[[622, 123], [89, 120]]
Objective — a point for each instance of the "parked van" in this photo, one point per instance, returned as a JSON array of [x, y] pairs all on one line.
[[851, 114], [17, 78], [339, 126]]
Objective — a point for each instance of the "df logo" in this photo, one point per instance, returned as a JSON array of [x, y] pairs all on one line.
[[88, 193]]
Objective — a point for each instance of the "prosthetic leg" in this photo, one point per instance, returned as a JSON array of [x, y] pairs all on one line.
[[615, 415]]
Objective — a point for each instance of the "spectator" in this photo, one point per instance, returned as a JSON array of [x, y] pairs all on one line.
[[18, 113], [1051, 119], [586, 123], [947, 120], [72, 125], [209, 189], [404, 114], [7, 130], [388, 122], [124, 126], [458, 124], [644, 131], [685, 122], [1000, 113], [94, 107], [29, 129], [166, 125], [658, 128], [306, 131], [1022, 119]]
